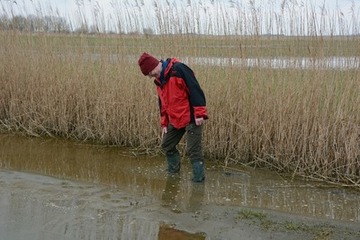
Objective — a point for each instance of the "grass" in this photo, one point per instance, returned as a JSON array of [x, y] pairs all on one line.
[[317, 232]]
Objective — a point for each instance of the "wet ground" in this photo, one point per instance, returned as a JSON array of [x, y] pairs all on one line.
[[57, 189]]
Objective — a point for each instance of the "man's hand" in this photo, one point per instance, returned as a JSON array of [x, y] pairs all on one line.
[[163, 132], [199, 121]]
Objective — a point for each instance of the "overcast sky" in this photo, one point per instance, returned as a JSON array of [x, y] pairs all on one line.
[[69, 6], [70, 9]]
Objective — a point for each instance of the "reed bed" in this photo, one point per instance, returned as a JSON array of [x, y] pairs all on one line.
[[300, 121], [304, 122]]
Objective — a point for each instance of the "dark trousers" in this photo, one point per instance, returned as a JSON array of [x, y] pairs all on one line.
[[193, 142]]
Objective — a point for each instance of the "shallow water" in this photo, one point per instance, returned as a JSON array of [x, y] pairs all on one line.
[[57, 189]]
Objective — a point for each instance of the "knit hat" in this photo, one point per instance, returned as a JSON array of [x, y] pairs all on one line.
[[147, 63]]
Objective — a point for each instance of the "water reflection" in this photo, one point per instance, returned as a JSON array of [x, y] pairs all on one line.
[[173, 197], [40, 207], [171, 191], [196, 198], [342, 63], [145, 176]]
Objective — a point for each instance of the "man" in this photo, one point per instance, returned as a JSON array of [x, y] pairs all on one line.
[[182, 109]]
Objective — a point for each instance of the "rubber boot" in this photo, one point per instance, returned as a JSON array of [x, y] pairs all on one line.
[[198, 171], [173, 163]]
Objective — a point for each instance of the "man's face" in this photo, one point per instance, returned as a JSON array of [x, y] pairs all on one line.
[[155, 73]]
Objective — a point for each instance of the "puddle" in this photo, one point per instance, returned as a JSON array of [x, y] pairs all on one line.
[[57, 189]]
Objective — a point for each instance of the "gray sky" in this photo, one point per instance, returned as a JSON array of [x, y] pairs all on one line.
[[68, 6]]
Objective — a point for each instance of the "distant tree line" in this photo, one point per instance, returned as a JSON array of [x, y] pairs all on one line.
[[32, 23], [47, 24], [52, 24]]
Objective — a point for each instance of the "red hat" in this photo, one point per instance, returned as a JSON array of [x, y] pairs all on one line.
[[147, 63]]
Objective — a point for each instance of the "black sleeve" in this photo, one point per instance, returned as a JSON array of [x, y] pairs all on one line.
[[196, 94]]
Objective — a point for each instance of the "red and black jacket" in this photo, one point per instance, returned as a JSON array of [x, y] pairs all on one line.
[[181, 98]]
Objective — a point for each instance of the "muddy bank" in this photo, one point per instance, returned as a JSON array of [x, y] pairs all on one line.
[[35, 207], [56, 189]]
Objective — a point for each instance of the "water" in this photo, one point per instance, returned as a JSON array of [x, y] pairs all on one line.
[[57, 189], [305, 63], [339, 63]]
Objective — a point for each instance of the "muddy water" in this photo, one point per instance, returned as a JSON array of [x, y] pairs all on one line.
[[57, 189]]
